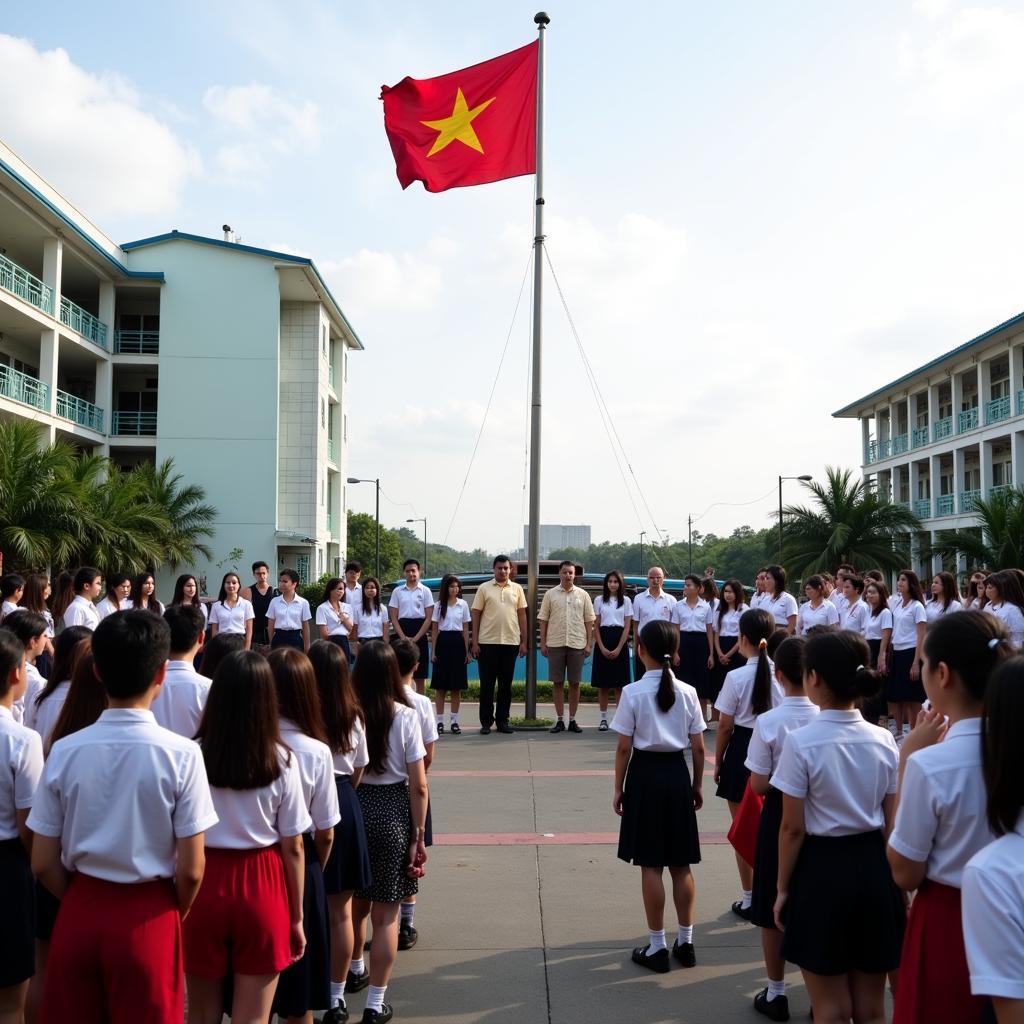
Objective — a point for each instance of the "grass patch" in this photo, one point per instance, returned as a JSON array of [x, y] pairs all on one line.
[[588, 693], [531, 723]]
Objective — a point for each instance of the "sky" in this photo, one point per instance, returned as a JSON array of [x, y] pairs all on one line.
[[757, 214]]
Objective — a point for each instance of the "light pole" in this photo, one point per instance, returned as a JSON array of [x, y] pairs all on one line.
[[643, 533], [806, 478], [376, 482], [423, 520]]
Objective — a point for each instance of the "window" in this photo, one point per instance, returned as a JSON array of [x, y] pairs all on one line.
[[1002, 473], [972, 478], [924, 487], [323, 335]]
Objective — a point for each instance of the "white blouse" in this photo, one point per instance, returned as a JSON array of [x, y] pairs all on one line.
[[231, 620], [730, 624], [875, 624], [612, 613], [1012, 618], [781, 607], [455, 617], [327, 616], [639, 716], [826, 614], [905, 619], [370, 624]]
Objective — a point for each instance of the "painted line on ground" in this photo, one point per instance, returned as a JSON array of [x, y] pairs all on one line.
[[555, 839]]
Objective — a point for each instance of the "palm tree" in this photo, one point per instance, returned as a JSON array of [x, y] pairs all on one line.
[[849, 523], [189, 518], [998, 540]]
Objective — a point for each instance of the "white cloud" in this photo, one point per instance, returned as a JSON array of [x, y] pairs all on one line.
[[89, 133], [373, 280]]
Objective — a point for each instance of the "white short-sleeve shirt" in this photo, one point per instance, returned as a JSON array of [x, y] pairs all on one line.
[[354, 595], [843, 768], [327, 616], [411, 602], [692, 620], [736, 697], [119, 794], [646, 608], [758, 599], [934, 609], [356, 757], [405, 747], [36, 685], [771, 730], [455, 617], [424, 708], [21, 768], [781, 607], [826, 614], [81, 612], [43, 717], [7, 608], [663, 732], [181, 701], [288, 614], [369, 624], [230, 619], [1012, 618], [904, 624], [874, 624], [612, 613], [941, 817], [316, 773], [107, 607], [839, 599], [855, 616], [730, 624]]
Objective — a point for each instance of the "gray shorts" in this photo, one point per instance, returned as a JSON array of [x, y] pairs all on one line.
[[565, 659]]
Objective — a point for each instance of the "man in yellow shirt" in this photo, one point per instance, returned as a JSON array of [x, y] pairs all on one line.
[[499, 637]]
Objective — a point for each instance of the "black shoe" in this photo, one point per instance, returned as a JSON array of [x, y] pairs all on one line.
[[357, 982], [603, 727], [685, 954], [485, 730], [777, 1009], [657, 962], [559, 726], [407, 936], [440, 728], [455, 729], [505, 728], [740, 911], [336, 1014], [573, 727], [381, 1016]]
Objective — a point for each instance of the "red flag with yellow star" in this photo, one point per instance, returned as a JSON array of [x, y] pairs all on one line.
[[467, 128]]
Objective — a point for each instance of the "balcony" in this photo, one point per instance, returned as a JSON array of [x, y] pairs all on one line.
[[967, 420], [330, 450], [998, 409], [26, 286], [78, 410], [967, 500], [23, 388], [923, 508], [84, 323], [134, 424], [1020, 403], [136, 343], [919, 437], [944, 505], [999, 489], [885, 448], [900, 444], [942, 428], [871, 454]]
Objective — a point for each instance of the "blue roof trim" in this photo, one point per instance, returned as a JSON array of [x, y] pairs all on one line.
[[1014, 321], [149, 275], [302, 261]]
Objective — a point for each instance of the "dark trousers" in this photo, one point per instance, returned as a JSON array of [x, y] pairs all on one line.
[[497, 663]]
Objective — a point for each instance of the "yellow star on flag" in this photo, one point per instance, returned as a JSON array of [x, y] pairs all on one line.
[[458, 127]]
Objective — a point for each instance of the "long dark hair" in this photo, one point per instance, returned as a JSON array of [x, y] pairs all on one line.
[[32, 597], [297, 697], [378, 686], [778, 575], [842, 659], [338, 705], [1002, 753], [238, 732], [85, 702], [85, 576], [973, 645], [606, 590], [789, 660], [883, 596], [740, 594], [950, 591], [218, 649], [442, 597], [179, 591], [331, 585], [660, 640], [113, 582], [71, 643], [368, 606], [757, 625], [154, 604], [1008, 585], [63, 594], [222, 596], [975, 592], [914, 591], [709, 590]]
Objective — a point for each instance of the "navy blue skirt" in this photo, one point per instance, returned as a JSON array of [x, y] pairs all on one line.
[[766, 861], [410, 627], [18, 899], [732, 779], [899, 687], [693, 663], [450, 669], [341, 641], [348, 866], [608, 673], [287, 638]]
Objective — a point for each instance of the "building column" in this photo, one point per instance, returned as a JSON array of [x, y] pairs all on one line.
[[985, 462], [865, 437], [53, 268], [957, 386], [1017, 458], [105, 368], [984, 376], [933, 408], [49, 346], [959, 465]]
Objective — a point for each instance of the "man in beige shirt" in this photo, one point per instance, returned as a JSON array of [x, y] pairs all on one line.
[[499, 637], [566, 635]]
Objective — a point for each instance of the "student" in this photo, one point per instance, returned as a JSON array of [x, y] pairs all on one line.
[[21, 760], [305, 986], [613, 612], [353, 591], [748, 692], [693, 617], [87, 584], [993, 884], [217, 649], [122, 849], [259, 595], [855, 613], [975, 599], [179, 707], [368, 617], [231, 613], [940, 819], [780, 603], [841, 914], [186, 592], [247, 918], [30, 629], [878, 628], [407, 653], [41, 714], [288, 615], [903, 690], [348, 865], [657, 718], [727, 627], [759, 596], [839, 596], [393, 797], [85, 701], [334, 616], [144, 594], [944, 597], [652, 603], [816, 611], [12, 586], [1005, 600], [117, 597], [411, 607], [450, 642], [763, 755], [34, 598]]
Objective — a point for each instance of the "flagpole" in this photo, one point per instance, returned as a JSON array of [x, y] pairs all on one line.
[[533, 544]]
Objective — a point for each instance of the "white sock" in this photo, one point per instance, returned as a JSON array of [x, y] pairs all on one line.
[[356, 967], [748, 898], [657, 942], [906, 729], [776, 989], [337, 992], [375, 997], [685, 934], [454, 717], [408, 912]]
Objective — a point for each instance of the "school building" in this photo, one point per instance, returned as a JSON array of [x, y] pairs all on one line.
[[230, 359], [949, 432]]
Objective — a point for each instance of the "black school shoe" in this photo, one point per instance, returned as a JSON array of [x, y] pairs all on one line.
[[573, 727], [440, 728], [455, 729], [777, 1009], [505, 728], [357, 982], [740, 911], [559, 726], [685, 954], [336, 1014], [407, 936], [657, 962], [381, 1016], [485, 730]]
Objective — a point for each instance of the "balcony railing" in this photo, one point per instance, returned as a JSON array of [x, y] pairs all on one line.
[[944, 505], [1020, 403], [134, 424], [330, 449], [18, 281], [900, 444], [871, 452], [967, 420], [885, 448], [919, 437], [923, 508], [84, 323], [942, 428], [78, 410], [23, 388], [998, 489], [136, 342], [967, 500], [998, 409]]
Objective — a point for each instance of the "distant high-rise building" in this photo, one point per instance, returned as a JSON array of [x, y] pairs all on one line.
[[554, 536]]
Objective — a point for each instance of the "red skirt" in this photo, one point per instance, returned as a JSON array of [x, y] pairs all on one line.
[[240, 922], [115, 955], [934, 983]]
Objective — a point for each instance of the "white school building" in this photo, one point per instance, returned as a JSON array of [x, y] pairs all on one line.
[[230, 359], [948, 432]]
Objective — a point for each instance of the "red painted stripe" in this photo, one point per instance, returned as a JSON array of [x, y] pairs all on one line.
[[556, 839], [520, 774]]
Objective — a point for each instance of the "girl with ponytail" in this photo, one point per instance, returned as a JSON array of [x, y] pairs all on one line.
[[657, 718], [748, 691]]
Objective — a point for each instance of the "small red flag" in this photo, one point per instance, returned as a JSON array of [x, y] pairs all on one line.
[[466, 128]]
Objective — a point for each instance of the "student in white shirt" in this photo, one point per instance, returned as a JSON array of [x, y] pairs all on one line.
[[30, 629], [393, 795], [693, 617], [119, 820], [348, 866], [657, 718], [232, 613], [855, 613], [334, 616], [41, 714], [305, 986], [748, 692], [1005, 593], [353, 590], [651, 604], [247, 918], [940, 819], [87, 585], [763, 756], [975, 599], [839, 596], [777, 600], [144, 594], [186, 592], [815, 611], [944, 597], [410, 608], [179, 706], [369, 617], [288, 615], [450, 628], [613, 612], [36, 598], [903, 690], [727, 630], [878, 633], [841, 915], [993, 883], [117, 597], [12, 587], [757, 599]]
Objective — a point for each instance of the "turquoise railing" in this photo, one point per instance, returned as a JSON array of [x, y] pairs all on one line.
[[23, 388], [871, 452], [998, 409], [73, 316], [900, 444], [967, 500], [942, 428], [18, 281], [998, 489], [944, 505], [78, 410], [136, 342], [967, 420], [918, 437], [923, 508], [134, 424], [1020, 403]]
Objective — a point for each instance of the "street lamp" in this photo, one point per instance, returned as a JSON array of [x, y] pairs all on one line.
[[375, 481], [806, 478], [423, 520], [643, 533]]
